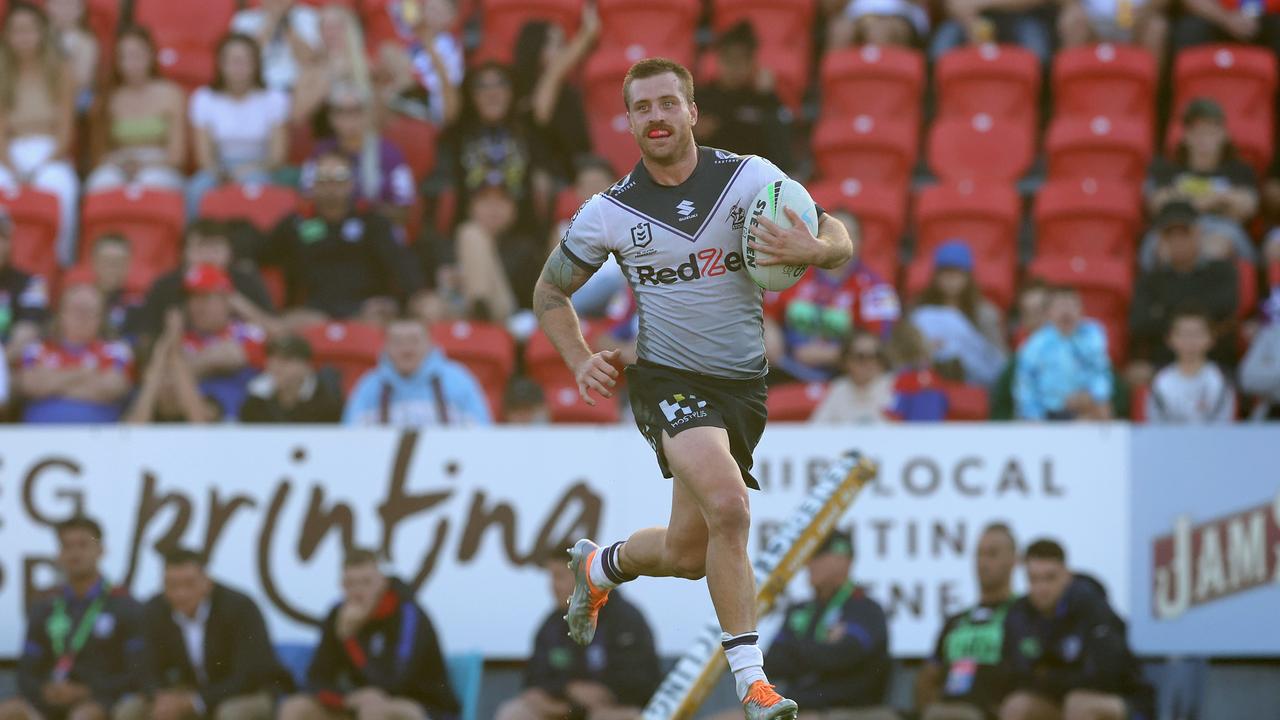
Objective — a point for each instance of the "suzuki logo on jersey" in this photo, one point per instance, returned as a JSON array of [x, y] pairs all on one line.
[[711, 262], [685, 210]]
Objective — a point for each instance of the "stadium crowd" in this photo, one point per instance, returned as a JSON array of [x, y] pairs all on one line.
[[199, 648], [286, 211]]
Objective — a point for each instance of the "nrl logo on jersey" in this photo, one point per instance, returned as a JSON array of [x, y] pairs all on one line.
[[641, 234]]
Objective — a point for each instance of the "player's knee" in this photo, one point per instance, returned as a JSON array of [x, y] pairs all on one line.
[[728, 514]]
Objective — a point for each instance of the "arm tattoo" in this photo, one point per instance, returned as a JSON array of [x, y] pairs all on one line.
[[558, 274], [559, 270]]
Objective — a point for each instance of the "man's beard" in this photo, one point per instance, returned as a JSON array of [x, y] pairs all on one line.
[[679, 145]]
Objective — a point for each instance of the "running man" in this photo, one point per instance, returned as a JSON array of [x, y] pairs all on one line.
[[697, 390]]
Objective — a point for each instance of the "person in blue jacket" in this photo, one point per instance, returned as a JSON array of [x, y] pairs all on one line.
[[1065, 652], [832, 652], [415, 385]]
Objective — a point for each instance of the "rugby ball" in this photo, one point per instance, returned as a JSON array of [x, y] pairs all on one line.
[[770, 203]]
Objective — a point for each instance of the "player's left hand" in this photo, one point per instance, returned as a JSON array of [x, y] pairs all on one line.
[[777, 245]]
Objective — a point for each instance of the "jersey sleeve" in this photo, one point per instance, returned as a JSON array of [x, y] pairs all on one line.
[[586, 241]]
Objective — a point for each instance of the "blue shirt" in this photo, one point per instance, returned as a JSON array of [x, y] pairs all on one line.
[[1052, 367]]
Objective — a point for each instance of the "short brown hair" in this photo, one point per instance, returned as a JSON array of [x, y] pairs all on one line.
[[358, 556], [653, 67]]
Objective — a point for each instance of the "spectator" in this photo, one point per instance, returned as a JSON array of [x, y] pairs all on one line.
[[1192, 389], [223, 354], [343, 61], [1227, 21], [878, 22], [239, 124], [611, 679], [805, 326], [340, 261], [288, 32], [425, 69], [290, 391], [524, 404], [1065, 649], [739, 110], [1184, 277], [964, 679], [917, 390], [170, 391], [208, 242], [24, 299], [140, 129], [415, 385], [76, 376], [960, 324], [1206, 173], [82, 647], [208, 652], [486, 145], [864, 394], [1063, 371], [550, 108], [1144, 23], [1018, 22], [382, 178], [110, 267], [378, 656], [70, 26], [1030, 314], [37, 116], [832, 653], [1260, 367]]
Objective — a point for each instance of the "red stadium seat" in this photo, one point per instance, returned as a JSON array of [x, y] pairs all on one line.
[[487, 351], [1252, 136], [152, 220], [566, 406], [501, 20], [1242, 78], [186, 35], [1138, 403], [881, 211], [302, 142], [1087, 217], [966, 402], [784, 30], [35, 231], [1080, 147], [884, 82], [870, 150], [1105, 286], [984, 215], [999, 80], [351, 348], [981, 147], [606, 115], [542, 361], [567, 203], [416, 139], [795, 402], [654, 28], [262, 205], [1246, 288], [1117, 81]]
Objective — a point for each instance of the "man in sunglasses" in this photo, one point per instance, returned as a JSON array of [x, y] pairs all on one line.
[[340, 260]]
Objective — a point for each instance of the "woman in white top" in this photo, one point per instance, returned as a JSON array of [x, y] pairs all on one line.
[[140, 127], [864, 393], [238, 124], [37, 116]]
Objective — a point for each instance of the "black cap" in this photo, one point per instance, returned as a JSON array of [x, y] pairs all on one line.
[[838, 542], [290, 346], [1178, 213], [1203, 108]]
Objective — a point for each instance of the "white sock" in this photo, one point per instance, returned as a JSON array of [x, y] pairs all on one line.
[[745, 660], [596, 572]]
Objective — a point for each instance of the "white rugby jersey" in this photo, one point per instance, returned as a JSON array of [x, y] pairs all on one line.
[[680, 249]]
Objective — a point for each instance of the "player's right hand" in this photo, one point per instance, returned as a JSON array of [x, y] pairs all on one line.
[[599, 372]]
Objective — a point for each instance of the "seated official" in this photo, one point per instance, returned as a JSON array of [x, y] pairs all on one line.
[[609, 679], [832, 654], [379, 656], [82, 645], [1065, 650], [207, 652], [964, 680]]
